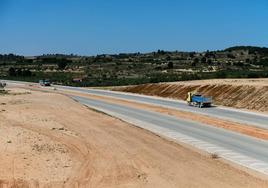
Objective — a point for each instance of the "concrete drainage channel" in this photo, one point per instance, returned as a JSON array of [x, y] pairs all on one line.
[[216, 150]]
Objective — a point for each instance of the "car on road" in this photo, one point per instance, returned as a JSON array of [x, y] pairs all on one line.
[[2, 85], [45, 82]]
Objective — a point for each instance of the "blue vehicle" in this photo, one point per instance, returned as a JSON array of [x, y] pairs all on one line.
[[198, 100]]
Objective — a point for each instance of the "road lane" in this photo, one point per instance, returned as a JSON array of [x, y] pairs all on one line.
[[244, 117], [244, 150]]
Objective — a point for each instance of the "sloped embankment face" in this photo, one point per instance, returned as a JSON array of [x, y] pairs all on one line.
[[251, 97]]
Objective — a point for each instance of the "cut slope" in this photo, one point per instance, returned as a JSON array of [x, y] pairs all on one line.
[[249, 94]]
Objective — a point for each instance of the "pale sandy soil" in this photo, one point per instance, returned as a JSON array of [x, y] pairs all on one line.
[[250, 94], [252, 82], [49, 140]]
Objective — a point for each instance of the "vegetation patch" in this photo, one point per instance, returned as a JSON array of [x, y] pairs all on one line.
[[215, 156], [137, 68]]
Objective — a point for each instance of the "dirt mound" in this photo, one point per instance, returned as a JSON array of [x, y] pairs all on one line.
[[250, 94]]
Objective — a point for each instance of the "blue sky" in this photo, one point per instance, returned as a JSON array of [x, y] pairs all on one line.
[[89, 27]]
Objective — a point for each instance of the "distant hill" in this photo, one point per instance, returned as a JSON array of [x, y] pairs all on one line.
[[251, 49], [137, 68]]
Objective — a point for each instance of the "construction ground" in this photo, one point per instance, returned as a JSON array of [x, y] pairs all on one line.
[[49, 140]]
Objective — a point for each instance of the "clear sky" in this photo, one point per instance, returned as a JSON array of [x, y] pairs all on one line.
[[89, 27]]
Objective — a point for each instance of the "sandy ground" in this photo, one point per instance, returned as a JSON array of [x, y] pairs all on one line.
[[49, 140], [252, 82], [250, 94]]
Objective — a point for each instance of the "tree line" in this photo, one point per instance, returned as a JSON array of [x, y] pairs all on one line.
[[18, 72]]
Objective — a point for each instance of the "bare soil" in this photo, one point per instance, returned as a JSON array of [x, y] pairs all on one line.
[[49, 140], [251, 94]]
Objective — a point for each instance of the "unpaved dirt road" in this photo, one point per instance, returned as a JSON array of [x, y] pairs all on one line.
[[49, 140]]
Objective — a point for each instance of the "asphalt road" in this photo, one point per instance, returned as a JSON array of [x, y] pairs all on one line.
[[245, 150], [250, 118]]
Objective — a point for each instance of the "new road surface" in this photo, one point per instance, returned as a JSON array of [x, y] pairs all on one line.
[[241, 149], [255, 119]]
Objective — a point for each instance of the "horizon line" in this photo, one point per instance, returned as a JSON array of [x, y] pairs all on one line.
[[118, 53]]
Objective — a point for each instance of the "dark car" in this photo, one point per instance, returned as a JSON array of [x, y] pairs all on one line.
[[44, 82]]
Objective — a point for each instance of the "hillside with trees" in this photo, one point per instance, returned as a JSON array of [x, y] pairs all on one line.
[[137, 68]]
